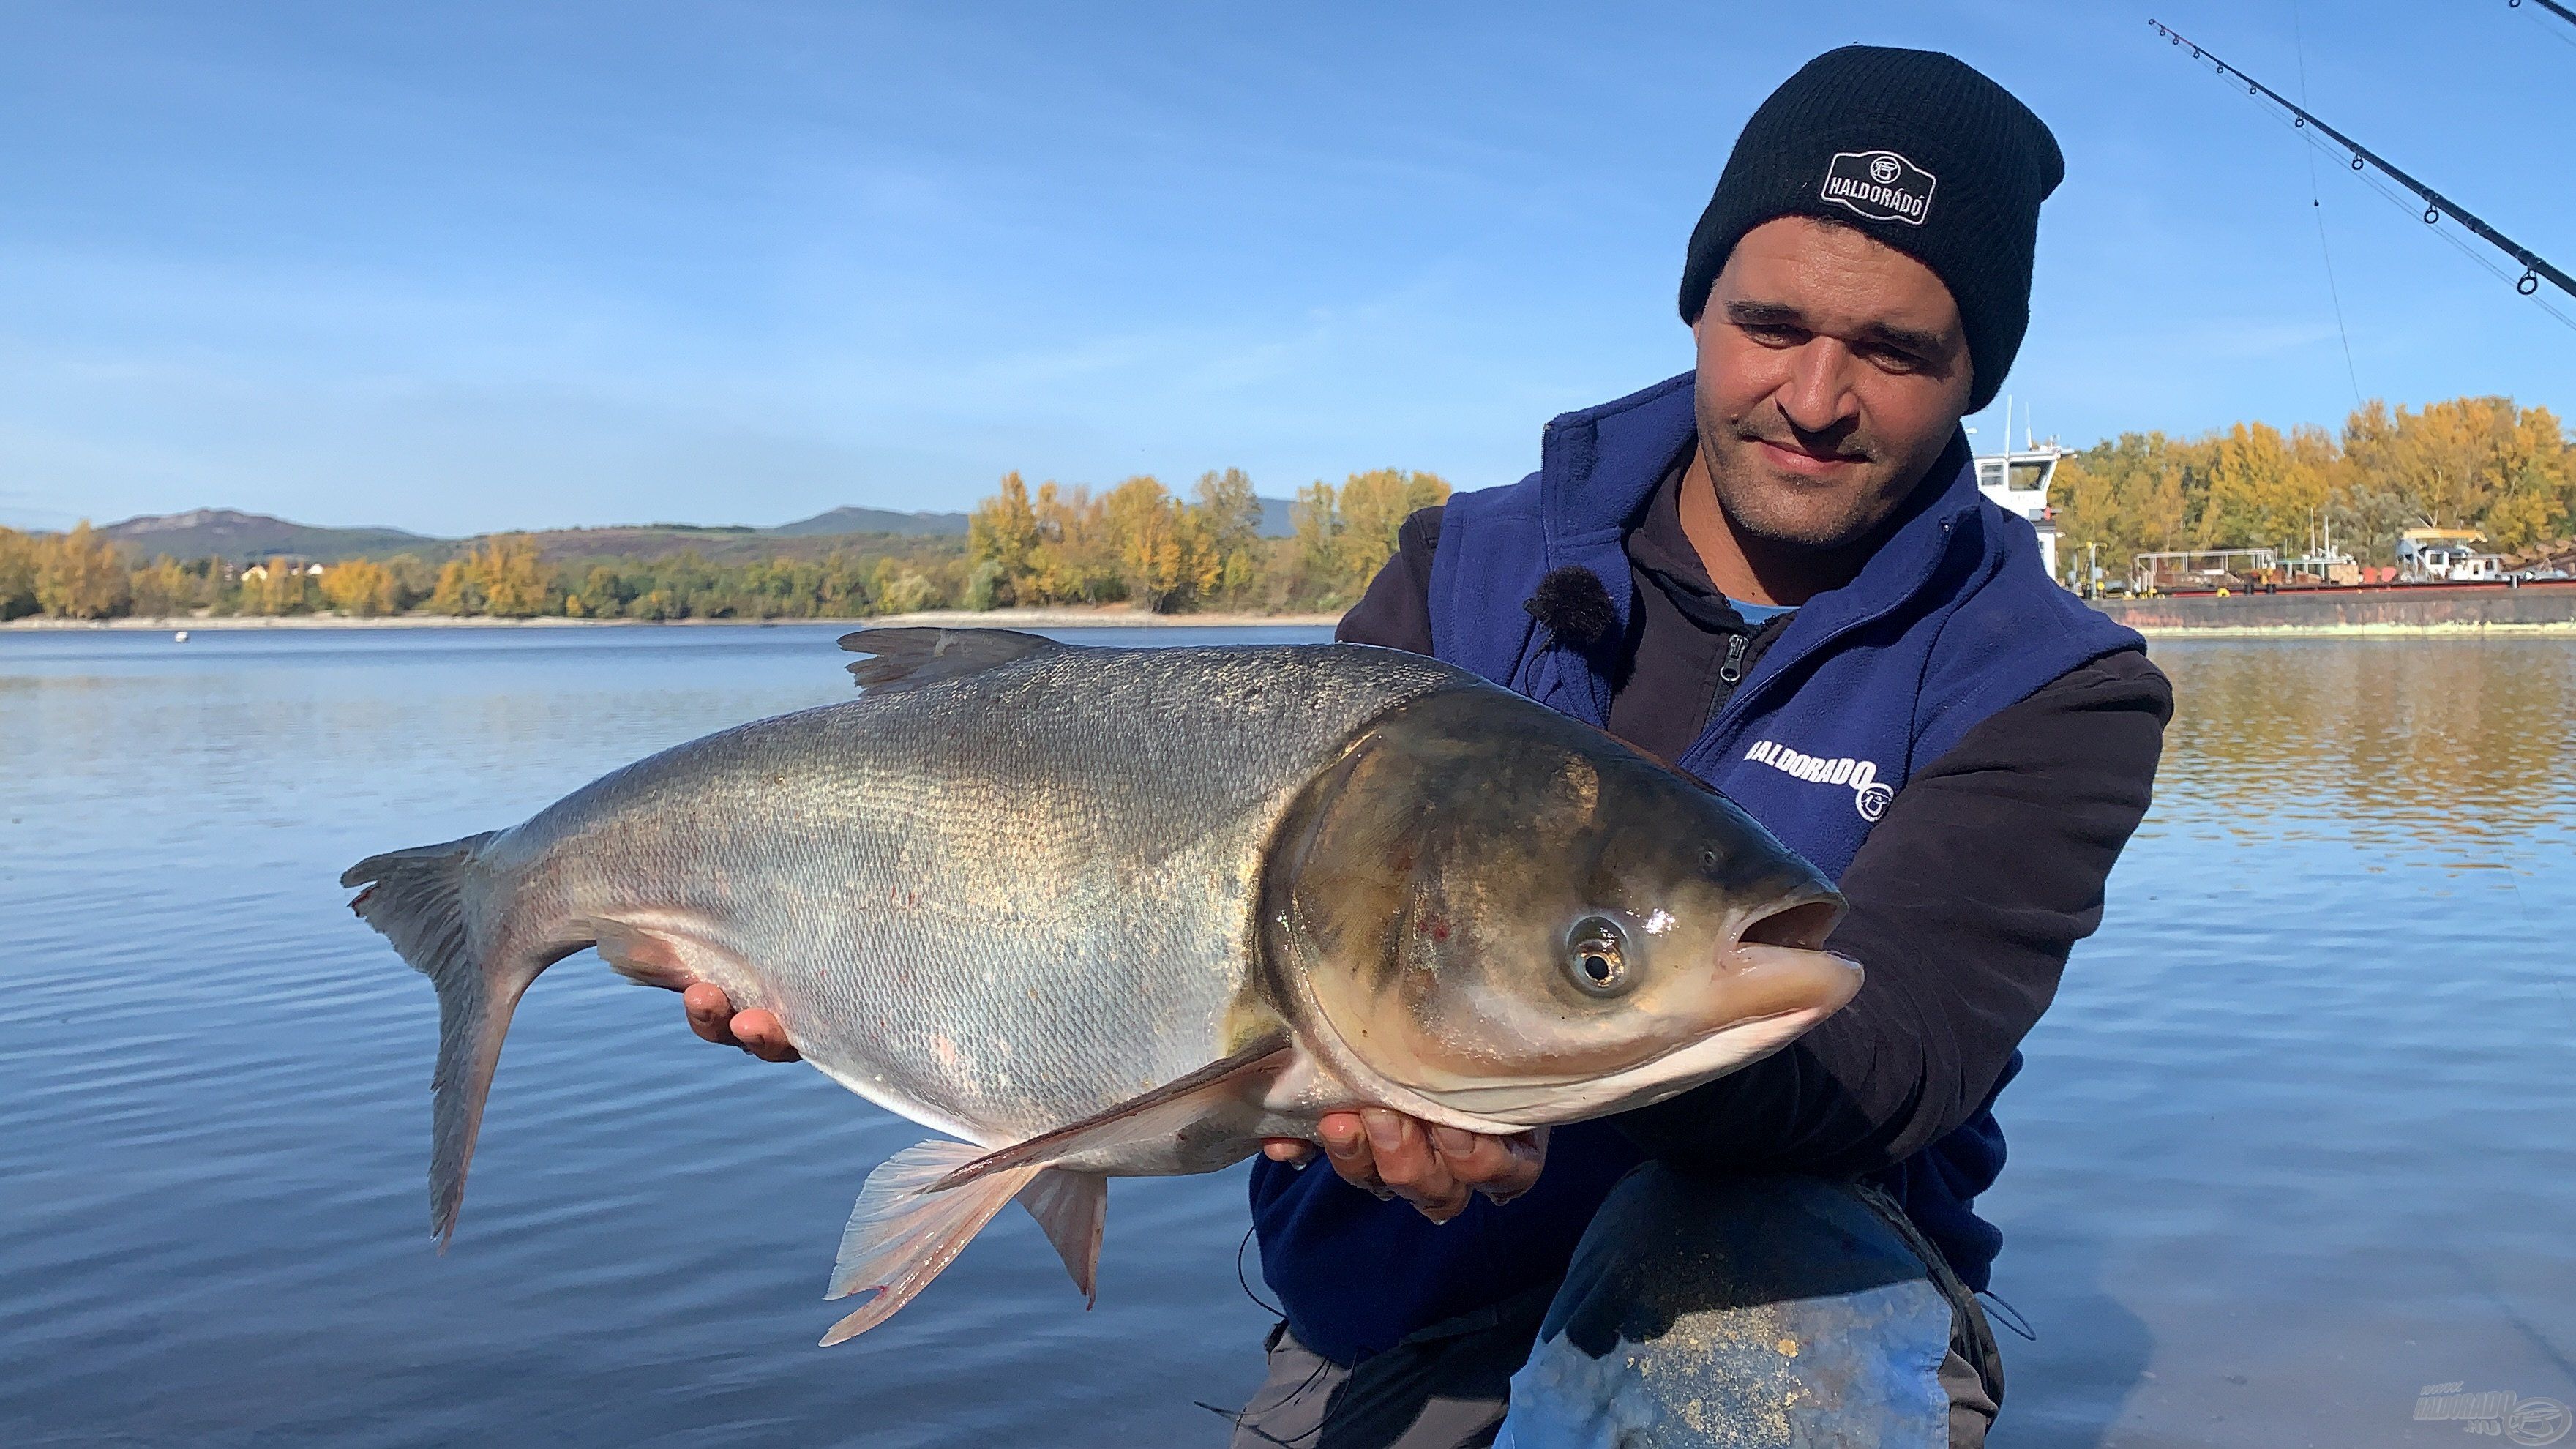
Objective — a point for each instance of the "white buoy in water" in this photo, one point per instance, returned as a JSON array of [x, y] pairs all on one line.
[[179, 638]]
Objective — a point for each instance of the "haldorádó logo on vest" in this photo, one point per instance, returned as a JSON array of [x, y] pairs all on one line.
[[1869, 796]]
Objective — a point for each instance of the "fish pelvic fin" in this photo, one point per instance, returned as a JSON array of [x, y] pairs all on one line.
[[1073, 1209], [904, 1230], [907, 658], [424, 901]]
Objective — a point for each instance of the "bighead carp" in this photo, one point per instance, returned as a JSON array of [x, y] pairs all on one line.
[[1126, 912]]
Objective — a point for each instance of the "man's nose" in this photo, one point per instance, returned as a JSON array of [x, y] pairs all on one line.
[[1818, 395]]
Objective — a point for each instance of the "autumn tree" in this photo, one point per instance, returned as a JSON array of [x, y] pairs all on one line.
[[80, 575], [361, 588]]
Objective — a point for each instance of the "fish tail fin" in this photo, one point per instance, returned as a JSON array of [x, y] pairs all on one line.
[[423, 900], [1073, 1208], [902, 1232]]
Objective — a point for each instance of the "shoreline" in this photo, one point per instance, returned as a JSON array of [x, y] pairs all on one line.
[[943, 618], [1123, 619]]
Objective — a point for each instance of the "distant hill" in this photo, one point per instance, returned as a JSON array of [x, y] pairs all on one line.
[[230, 533], [1274, 522], [233, 534], [870, 520]]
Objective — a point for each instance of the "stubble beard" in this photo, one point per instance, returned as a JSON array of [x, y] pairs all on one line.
[[1779, 513]]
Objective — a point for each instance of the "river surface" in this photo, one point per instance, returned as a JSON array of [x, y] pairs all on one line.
[[2296, 1143]]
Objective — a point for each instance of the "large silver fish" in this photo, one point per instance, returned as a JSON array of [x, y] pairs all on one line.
[[1126, 912]]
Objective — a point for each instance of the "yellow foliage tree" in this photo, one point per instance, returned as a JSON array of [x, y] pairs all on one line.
[[80, 575], [360, 587]]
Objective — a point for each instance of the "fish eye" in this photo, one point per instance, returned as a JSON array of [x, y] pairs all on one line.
[[1596, 957]]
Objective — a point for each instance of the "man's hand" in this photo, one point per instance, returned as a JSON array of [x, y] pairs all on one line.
[[711, 1015], [1433, 1168]]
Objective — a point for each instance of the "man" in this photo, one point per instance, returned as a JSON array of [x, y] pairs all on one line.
[[1775, 573]]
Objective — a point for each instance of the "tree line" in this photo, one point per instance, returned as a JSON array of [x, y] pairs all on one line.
[[82, 575], [1137, 543], [2472, 462]]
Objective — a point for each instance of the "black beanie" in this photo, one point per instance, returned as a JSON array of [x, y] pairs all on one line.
[[1916, 149]]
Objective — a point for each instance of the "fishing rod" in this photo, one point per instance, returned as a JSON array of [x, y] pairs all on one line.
[[2552, 6], [2436, 205]]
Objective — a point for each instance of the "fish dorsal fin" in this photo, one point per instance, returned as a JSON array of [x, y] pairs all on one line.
[[910, 658]]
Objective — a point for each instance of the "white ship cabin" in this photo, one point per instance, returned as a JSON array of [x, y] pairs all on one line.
[[2018, 483]]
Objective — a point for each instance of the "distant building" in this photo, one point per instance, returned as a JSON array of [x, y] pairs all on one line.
[[2018, 482], [258, 572], [2427, 555]]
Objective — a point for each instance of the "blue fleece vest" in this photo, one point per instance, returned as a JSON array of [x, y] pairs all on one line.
[[1951, 620]]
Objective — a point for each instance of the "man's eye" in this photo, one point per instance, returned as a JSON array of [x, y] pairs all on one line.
[[1775, 336]]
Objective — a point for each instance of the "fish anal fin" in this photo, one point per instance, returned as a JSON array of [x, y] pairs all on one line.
[[910, 658], [1152, 1116], [1073, 1209], [905, 1230]]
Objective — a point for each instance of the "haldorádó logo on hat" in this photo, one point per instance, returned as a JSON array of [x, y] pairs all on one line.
[[1880, 185]]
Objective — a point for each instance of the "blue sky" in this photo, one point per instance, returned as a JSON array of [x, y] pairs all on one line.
[[458, 267]]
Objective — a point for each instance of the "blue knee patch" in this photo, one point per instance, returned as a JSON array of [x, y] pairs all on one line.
[[1774, 1311]]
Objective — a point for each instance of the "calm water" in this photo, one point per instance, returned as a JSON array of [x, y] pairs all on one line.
[[2297, 1140]]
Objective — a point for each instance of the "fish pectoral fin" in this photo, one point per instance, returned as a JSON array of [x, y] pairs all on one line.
[[905, 1229], [1073, 1208], [1149, 1117], [910, 658]]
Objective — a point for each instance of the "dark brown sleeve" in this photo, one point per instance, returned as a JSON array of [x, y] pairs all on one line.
[[1965, 900], [1395, 613]]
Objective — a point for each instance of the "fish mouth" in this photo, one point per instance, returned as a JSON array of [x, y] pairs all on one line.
[[1801, 923]]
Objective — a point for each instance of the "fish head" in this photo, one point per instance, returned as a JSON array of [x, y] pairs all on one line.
[[1494, 916]]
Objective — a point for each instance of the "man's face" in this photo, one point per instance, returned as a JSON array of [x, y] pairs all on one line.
[[1832, 372]]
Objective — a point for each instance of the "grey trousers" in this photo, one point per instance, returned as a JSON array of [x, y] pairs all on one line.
[[1789, 1312]]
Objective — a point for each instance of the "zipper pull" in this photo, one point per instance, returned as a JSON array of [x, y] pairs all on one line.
[[1732, 672]]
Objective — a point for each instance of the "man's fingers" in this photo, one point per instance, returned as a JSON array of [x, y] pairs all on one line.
[[710, 1013], [1292, 1150], [1409, 1166], [759, 1032], [764, 1036], [1346, 1144]]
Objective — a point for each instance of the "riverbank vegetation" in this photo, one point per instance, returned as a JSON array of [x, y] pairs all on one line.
[[1135, 544], [2482, 463], [2479, 462]]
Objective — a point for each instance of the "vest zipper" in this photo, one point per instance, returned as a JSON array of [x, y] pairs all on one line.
[[1731, 673]]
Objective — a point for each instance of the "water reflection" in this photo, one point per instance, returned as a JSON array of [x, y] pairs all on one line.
[[2292, 1144]]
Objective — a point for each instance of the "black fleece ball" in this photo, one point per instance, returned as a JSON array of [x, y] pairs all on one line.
[[1573, 607]]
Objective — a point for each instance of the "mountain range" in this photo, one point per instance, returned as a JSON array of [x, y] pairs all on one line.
[[231, 533]]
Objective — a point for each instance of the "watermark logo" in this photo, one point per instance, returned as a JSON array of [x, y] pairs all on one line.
[[2495, 1413], [1880, 185], [1869, 794]]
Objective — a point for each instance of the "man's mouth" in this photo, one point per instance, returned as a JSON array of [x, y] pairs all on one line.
[[1789, 458]]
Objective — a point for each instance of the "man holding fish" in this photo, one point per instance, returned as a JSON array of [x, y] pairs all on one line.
[[1774, 572], [1606, 1164]]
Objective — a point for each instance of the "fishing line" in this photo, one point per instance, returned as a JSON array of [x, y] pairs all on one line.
[[2317, 209]]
